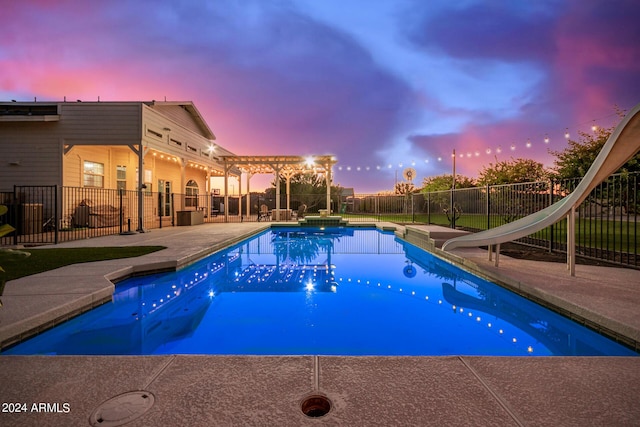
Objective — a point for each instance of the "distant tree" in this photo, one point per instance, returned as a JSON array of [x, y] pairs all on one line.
[[308, 188], [576, 159], [404, 188], [444, 182], [512, 172]]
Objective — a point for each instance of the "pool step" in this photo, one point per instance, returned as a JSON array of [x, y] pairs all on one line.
[[322, 221], [428, 237]]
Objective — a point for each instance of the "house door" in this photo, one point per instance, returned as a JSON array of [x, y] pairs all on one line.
[[164, 197]]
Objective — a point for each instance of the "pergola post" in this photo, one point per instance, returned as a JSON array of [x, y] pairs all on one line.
[[249, 175], [276, 169], [328, 167]]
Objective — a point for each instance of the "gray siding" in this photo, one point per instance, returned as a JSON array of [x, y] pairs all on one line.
[[179, 115], [101, 123], [37, 151]]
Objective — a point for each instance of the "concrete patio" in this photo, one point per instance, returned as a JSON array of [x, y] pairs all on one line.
[[258, 390]]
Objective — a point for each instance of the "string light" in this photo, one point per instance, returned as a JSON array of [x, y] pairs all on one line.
[[513, 147]]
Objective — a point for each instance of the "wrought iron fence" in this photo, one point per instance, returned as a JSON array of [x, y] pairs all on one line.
[[606, 226]]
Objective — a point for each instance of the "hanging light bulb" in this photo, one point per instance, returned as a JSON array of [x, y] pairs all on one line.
[[513, 147], [566, 133], [546, 139], [594, 127], [488, 151], [528, 143]]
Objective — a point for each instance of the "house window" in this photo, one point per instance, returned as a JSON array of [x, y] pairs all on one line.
[[191, 194], [93, 175], [121, 177]]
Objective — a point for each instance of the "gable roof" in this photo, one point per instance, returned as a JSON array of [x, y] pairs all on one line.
[[185, 113]]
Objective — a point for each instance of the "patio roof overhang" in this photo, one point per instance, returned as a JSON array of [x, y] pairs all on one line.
[[271, 164]]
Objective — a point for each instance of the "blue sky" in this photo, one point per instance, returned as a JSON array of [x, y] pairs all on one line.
[[382, 85]]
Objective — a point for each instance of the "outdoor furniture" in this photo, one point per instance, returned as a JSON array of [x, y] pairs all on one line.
[[281, 214], [264, 213], [91, 215], [301, 211], [190, 217]]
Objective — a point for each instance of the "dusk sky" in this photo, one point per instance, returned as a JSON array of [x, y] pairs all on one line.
[[382, 85]]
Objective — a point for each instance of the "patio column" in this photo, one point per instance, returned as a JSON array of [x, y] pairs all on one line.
[[208, 192], [276, 169], [288, 173], [227, 168], [249, 175], [240, 196], [140, 151], [183, 181]]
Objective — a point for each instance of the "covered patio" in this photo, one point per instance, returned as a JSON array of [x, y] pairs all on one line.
[[281, 166]]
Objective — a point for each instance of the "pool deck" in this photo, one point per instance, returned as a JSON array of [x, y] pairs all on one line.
[[365, 391]]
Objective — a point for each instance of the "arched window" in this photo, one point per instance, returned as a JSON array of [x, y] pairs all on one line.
[[191, 194]]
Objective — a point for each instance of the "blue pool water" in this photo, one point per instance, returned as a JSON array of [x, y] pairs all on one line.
[[334, 291]]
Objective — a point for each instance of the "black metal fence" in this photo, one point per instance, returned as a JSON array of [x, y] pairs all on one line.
[[606, 225]]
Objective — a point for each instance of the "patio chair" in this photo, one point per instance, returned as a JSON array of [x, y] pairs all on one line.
[[301, 211], [264, 213]]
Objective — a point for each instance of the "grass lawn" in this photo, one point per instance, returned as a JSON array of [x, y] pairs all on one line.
[[48, 259], [596, 233]]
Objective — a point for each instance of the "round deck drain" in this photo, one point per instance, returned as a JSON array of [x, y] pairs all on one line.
[[121, 409], [316, 406]]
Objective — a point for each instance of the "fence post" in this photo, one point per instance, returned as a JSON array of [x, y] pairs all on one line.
[[551, 227], [429, 207], [56, 215], [14, 207], [173, 222], [160, 206], [413, 214], [121, 213], [452, 211], [488, 207]]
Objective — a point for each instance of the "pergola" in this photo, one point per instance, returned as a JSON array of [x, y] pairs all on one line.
[[286, 166]]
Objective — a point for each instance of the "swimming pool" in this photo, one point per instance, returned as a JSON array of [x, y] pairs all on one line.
[[319, 291]]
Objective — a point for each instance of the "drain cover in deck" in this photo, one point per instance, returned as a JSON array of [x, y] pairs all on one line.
[[121, 409]]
